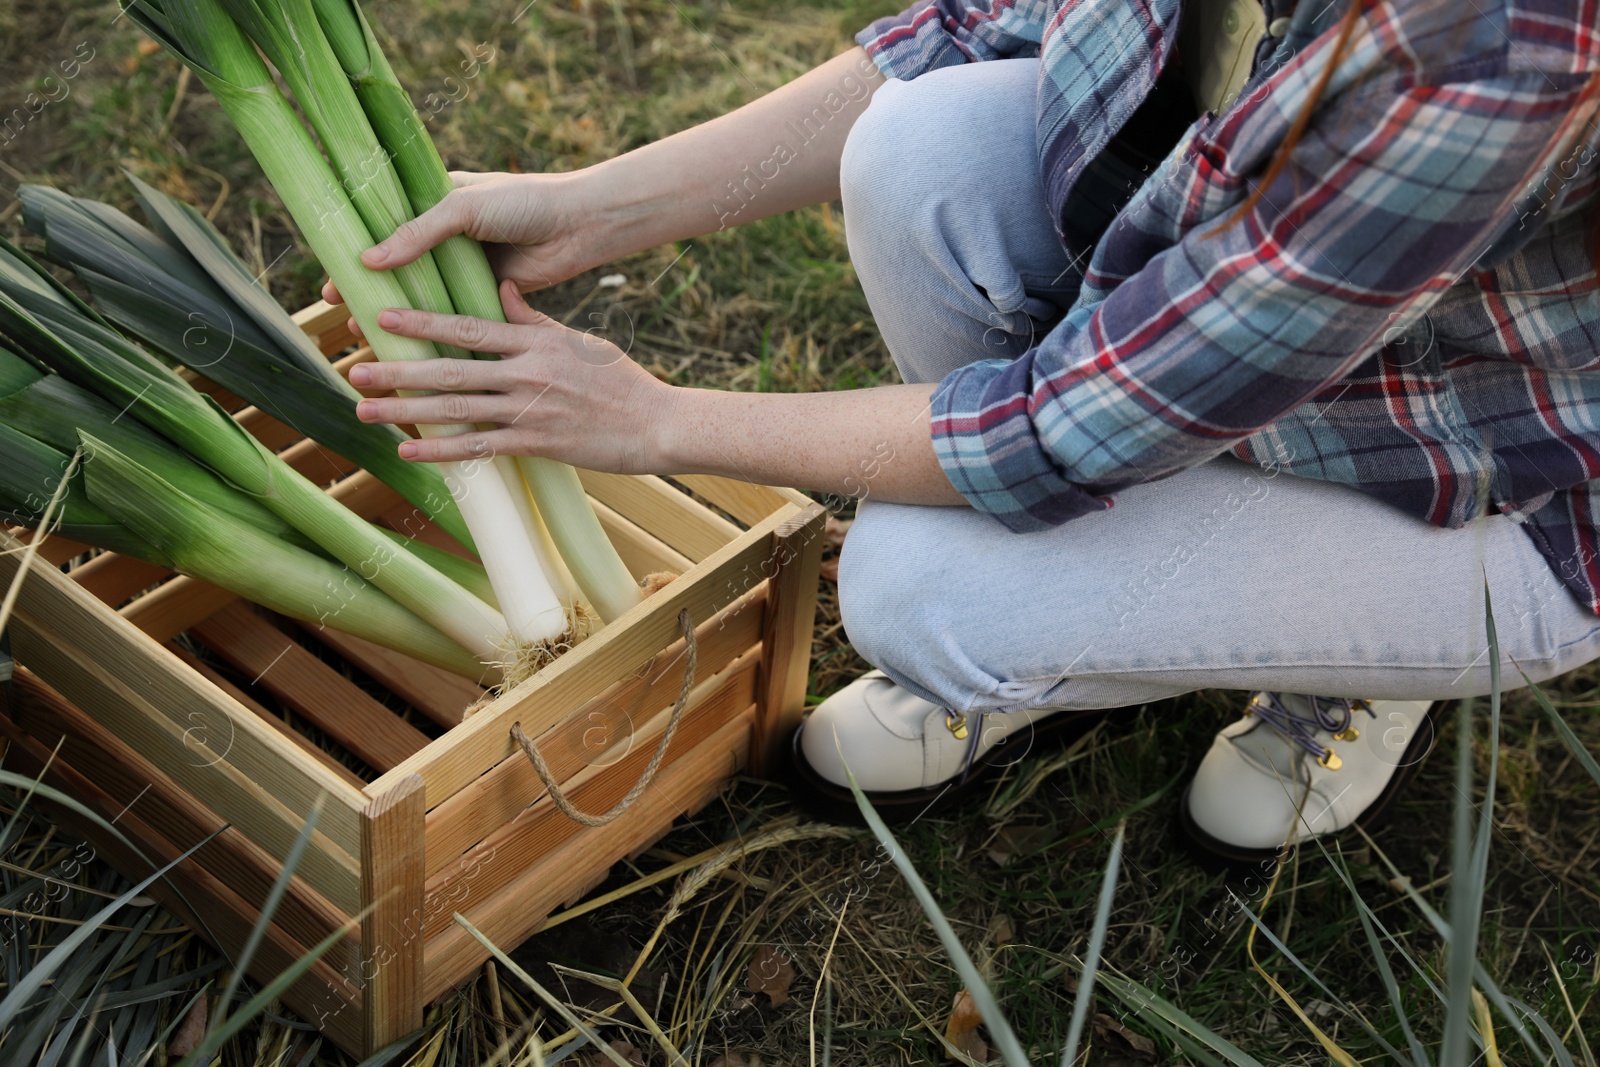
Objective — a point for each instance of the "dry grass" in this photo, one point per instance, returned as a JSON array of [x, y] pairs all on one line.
[[776, 306]]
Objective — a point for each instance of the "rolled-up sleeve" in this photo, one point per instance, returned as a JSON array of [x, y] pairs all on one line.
[[1389, 197], [942, 33]]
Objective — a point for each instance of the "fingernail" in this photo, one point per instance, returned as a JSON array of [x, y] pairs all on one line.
[[360, 374], [408, 450], [377, 254], [389, 320], [365, 408]]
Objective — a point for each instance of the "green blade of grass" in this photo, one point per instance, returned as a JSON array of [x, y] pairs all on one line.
[[1173, 1021], [1097, 942], [1574, 743], [999, 1029]]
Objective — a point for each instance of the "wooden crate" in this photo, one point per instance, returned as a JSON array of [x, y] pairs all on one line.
[[116, 712]]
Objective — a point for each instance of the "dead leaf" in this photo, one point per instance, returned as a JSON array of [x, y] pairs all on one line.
[[962, 1029], [190, 1031], [1001, 931], [834, 530], [734, 1059], [770, 972], [632, 1053], [1016, 839], [1122, 1046], [148, 48]]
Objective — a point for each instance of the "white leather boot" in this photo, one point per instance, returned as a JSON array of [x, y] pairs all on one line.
[[906, 752], [1297, 767]]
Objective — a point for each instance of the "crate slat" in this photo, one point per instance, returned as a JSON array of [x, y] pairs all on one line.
[[436, 693], [627, 710], [391, 896], [291, 673], [641, 552], [582, 674], [113, 578], [523, 842], [790, 626], [522, 905], [304, 743], [132, 784], [685, 525], [748, 502]]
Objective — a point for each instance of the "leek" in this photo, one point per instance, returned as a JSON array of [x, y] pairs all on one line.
[[201, 34], [188, 296], [29, 477], [559, 494], [238, 557], [57, 330]]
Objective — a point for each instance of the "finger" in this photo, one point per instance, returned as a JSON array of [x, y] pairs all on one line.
[[447, 218], [355, 328], [478, 444], [449, 375], [463, 331], [441, 409], [330, 292], [518, 311]]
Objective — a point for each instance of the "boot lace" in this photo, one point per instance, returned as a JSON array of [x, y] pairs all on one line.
[[1326, 714]]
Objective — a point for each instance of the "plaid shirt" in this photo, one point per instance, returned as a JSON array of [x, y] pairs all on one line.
[[1411, 309]]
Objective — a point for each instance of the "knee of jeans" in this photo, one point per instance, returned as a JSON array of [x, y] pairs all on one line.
[[882, 149]]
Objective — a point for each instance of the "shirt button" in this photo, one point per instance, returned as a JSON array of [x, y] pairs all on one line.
[[1279, 27]]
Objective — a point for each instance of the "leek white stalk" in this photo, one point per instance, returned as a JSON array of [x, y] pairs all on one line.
[[201, 34]]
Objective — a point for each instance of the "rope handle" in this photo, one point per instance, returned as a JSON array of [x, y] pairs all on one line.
[[560, 799]]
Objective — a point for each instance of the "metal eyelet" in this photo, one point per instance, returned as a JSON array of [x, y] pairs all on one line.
[[956, 723], [1330, 760], [1349, 733]]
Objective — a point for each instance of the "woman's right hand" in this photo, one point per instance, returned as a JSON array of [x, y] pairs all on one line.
[[531, 226]]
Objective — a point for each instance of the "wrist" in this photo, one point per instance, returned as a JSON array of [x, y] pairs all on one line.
[[678, 421], [632, 210]]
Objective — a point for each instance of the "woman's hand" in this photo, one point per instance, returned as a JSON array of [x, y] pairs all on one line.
[[537, 228], [556, 392]]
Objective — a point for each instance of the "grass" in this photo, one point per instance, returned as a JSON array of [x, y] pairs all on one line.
[[775, 306]]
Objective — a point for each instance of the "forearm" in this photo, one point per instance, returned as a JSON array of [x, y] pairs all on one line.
[[775, 154], [854, 443]]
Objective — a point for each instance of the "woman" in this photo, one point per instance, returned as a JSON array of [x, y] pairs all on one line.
[[1306, 291]]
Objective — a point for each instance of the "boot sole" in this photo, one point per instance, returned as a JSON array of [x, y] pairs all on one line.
[[1214, 853], [831, 802]]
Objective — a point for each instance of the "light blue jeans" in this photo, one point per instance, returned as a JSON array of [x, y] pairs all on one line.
[[1223, 576]]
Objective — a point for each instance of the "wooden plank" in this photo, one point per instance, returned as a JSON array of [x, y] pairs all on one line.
[[113, 578], [166, 612], [130, 780], [198, 898], [791, 624], [291, 673], [685, 524], [748, 502], [104, 664], [391, 931], [589, 733], [463, 754], [54, 550], [436, 693], [304, 743], [508, 916], [327, 324], [521, 843], [641, 551]]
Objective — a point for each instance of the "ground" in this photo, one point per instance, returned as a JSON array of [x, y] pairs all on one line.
[[557, 85]]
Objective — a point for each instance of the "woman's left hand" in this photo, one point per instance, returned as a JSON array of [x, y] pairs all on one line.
[[555, 392]]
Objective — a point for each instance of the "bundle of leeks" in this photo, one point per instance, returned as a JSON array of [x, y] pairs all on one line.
[[381, 168], [171, 478]]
